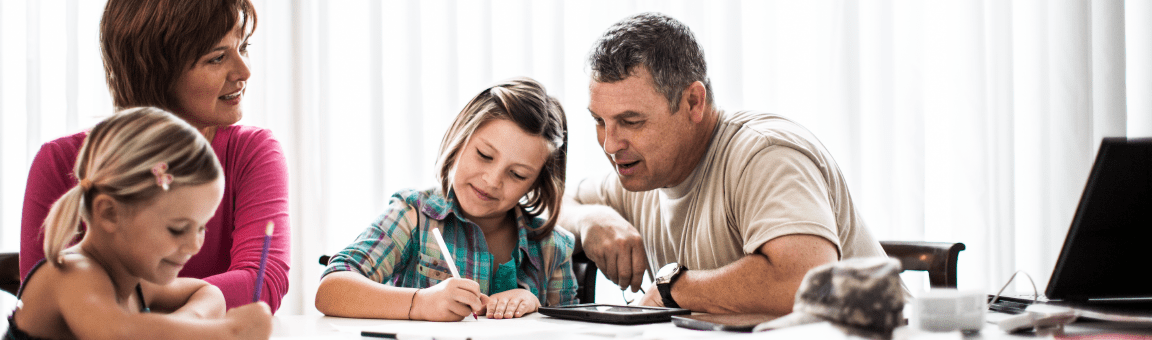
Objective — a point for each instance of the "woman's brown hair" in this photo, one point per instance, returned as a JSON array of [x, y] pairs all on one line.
[[525, 102], [148, 44]]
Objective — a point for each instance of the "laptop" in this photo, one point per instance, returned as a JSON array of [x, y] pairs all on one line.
[[1107, 254]]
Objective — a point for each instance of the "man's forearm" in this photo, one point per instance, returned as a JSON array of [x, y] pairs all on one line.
[[575, 217], [607, 239], [764, 282], [749, 285], [570, 215]]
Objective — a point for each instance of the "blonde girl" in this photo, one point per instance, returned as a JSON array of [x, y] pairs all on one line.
[[148, 184]]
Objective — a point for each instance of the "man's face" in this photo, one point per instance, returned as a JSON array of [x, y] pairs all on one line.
[[647, 144]]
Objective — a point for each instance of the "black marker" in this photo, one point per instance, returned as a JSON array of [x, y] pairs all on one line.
[[382, 335], [368, 334]]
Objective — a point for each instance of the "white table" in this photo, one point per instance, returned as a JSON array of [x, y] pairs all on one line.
[[322, 327]]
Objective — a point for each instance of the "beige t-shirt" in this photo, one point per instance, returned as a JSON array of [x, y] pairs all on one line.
[[762, 177]]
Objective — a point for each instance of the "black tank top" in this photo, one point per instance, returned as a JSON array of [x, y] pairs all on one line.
[[15, 333]]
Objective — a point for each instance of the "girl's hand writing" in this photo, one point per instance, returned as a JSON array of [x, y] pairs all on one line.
[[251, 321], [511, 304], [449, 300]]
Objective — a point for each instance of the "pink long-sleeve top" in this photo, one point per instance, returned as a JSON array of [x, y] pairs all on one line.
[[255, 192]]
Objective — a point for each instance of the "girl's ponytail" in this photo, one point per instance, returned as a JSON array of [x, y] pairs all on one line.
[[63, 223]]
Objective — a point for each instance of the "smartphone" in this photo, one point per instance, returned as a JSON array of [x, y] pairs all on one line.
[[722, 322]]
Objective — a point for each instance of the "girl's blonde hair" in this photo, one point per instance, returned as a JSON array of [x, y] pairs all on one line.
[[117, 160], [525, 102]]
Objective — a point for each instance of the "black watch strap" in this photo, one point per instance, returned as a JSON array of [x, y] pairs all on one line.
[[665, 281], [666, 295]]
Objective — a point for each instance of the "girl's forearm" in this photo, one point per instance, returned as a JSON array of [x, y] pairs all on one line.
[[349, 294], [206, 303], [163, 326]]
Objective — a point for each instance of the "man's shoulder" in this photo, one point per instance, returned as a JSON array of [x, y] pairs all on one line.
[[747, 134], [768, 128], [750, 142]]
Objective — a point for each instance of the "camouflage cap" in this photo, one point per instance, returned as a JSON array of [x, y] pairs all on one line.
[[861, 292]]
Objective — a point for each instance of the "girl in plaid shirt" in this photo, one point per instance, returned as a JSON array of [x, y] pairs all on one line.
[[501, 166]]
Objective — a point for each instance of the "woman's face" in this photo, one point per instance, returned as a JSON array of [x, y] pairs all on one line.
[[496, 168], [159, 238], [209, 93]]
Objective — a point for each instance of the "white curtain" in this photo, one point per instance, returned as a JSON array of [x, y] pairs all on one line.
[[962, 121]]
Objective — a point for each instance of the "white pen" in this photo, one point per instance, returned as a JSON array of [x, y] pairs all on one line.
[[448, 258]]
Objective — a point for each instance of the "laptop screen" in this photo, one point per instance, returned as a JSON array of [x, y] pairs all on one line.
[[1107, 252]]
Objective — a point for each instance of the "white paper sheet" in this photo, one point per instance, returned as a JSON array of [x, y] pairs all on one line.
[[468, 329]]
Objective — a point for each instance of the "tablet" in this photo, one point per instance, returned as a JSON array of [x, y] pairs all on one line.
[[624, 315], [722, 322]]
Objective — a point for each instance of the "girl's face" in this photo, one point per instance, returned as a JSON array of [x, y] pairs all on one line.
[[497, 167], [209, 93], [159, 238]]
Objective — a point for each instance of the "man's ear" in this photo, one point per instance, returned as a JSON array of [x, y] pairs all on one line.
[[695, 98], [106, 213]]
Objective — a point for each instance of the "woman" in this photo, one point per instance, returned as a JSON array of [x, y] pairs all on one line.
[[190, 58]]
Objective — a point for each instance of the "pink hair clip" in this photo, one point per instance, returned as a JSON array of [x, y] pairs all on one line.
[[163, 179]]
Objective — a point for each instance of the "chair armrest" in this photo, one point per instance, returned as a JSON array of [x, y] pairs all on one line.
[[937, 258]]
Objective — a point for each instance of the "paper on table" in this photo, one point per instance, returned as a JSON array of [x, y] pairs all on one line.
[[819, 330], [482, 329]]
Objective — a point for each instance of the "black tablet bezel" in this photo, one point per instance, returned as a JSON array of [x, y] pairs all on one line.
[[650, 315]]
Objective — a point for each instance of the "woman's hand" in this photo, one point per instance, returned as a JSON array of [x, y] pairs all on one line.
[[251, 321], [511, 304], [449, 300]]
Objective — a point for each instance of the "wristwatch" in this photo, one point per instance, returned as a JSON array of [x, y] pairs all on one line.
[[664, 279]]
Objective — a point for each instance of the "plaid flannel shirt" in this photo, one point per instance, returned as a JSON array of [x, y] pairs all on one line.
[[398, 249]]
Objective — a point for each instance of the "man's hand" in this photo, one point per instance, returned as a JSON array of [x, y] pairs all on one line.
[[617, 250], [607, 239], [651, 297]]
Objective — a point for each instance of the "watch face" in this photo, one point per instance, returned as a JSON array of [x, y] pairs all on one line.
[[667, 270]]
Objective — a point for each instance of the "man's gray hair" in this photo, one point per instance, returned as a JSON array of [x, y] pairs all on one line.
[[662, 44]]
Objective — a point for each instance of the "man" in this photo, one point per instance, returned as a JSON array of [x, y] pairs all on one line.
[[736, 207]]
